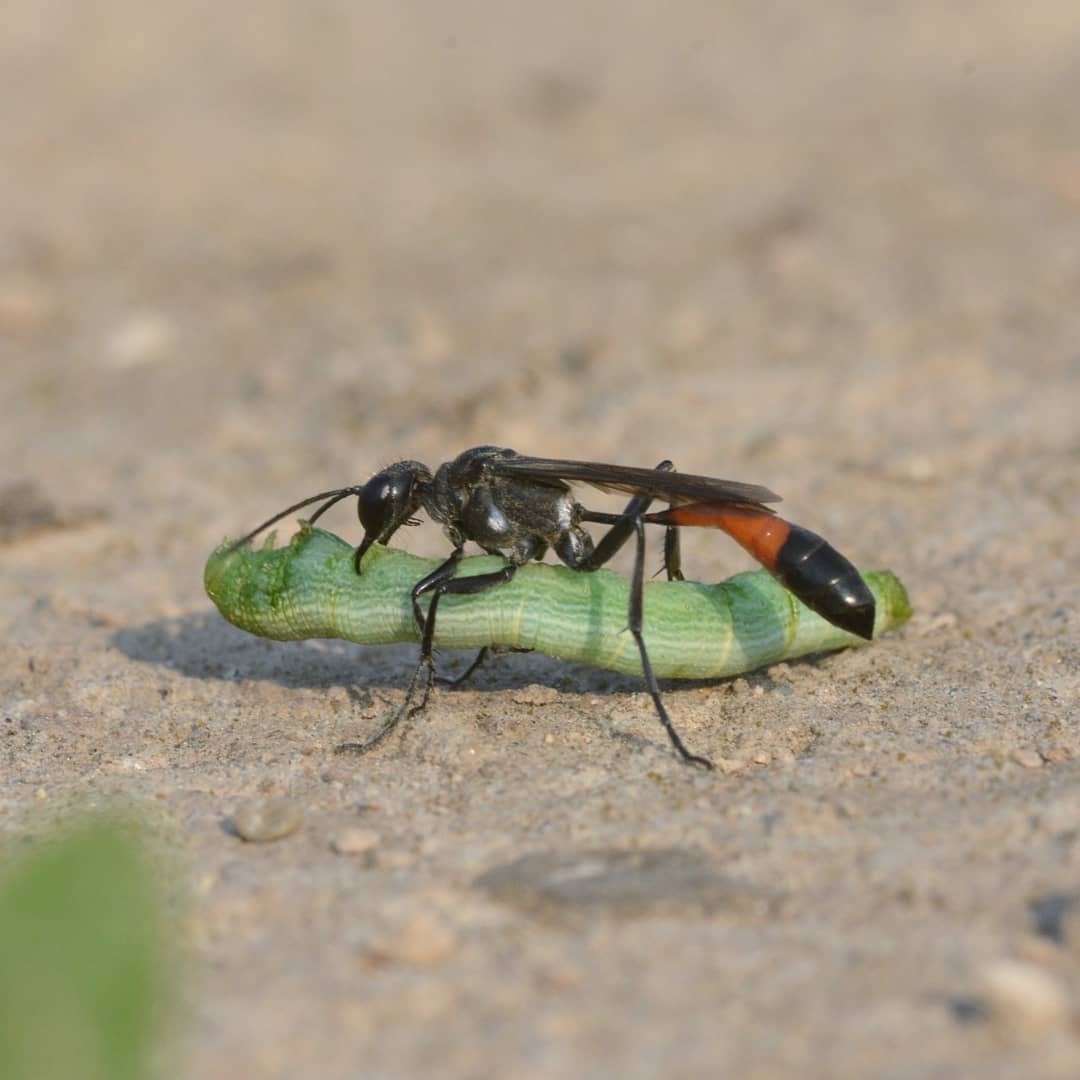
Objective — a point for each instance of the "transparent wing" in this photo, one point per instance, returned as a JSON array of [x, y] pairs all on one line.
[[672, 487]]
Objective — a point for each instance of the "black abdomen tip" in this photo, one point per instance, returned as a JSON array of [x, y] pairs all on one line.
[[826, 582], [854, 611]]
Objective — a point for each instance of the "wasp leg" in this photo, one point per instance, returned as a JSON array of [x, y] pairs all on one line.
[[439, 583], [622, 528], [635, 620]]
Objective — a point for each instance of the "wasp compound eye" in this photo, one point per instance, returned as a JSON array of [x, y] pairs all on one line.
[[390, 497], [378, 499]]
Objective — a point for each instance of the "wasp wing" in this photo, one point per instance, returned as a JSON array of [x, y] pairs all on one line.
[[675, 488]]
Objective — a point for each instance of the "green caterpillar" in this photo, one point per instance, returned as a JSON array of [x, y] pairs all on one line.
[[310, 589]]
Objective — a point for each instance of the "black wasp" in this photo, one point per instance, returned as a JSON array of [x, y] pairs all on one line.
[[518, 507]]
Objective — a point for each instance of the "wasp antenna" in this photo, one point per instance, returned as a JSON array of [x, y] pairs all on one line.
[[331, 498]]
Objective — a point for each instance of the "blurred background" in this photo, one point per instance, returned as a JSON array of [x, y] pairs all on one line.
[[259, 253]]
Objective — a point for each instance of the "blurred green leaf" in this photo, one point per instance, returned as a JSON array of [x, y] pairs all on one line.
[[81, 972]]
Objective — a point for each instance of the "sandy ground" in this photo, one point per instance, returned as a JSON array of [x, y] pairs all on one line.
[[247, 257]]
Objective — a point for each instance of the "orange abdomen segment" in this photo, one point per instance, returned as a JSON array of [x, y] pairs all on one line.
[[762, 534], [800, 560]]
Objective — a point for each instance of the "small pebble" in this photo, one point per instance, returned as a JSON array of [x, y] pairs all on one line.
[[423, 941], [916, 467], [267, 819], [144, 337], [1023, 1001], [1057, 755], [355, 841], [1027, 758]]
